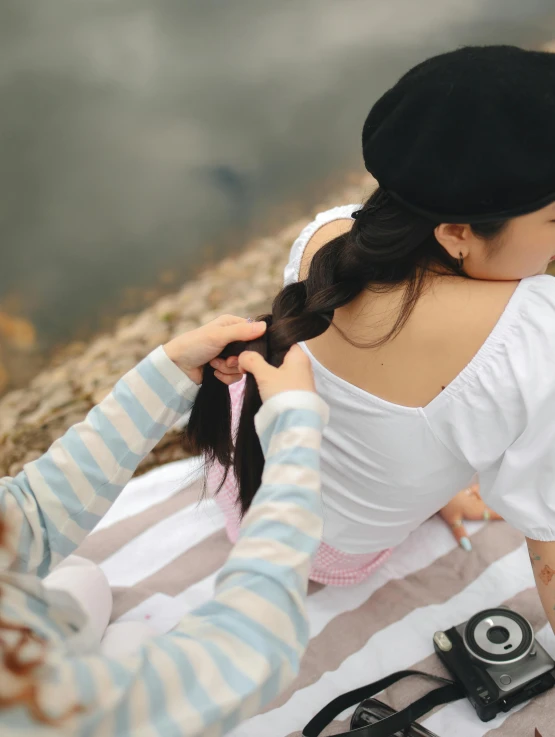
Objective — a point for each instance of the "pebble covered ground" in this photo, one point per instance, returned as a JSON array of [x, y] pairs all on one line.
[[242, 284]]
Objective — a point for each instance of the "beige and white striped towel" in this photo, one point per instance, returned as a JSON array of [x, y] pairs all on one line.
[[158, 539]]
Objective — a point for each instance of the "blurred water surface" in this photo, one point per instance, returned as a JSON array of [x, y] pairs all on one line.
[[137, 138]]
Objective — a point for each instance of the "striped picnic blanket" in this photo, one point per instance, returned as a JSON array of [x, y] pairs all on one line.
[[160, 548]]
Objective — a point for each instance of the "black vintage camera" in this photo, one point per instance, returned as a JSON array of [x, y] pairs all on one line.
[[496, 663], [497, 660]]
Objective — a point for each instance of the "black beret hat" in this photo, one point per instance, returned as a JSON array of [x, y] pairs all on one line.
[[468, 136]]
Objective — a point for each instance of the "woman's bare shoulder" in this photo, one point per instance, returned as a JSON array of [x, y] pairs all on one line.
[[323, 235]]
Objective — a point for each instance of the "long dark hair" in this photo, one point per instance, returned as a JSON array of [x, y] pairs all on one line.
[[388, 246]]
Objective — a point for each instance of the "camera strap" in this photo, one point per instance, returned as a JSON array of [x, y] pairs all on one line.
[[445, 694]]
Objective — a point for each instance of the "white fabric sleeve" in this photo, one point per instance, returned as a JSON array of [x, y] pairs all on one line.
[[520, 485], [293, 266], [521, 488]]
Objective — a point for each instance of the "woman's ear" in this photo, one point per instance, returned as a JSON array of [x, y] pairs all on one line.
[[456, 239]]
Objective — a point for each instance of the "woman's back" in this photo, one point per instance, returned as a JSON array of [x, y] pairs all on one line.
[[413, 419], [449, 324]]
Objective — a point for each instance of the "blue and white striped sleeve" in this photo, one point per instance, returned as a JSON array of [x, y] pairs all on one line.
[[55, 501], [229, 658]]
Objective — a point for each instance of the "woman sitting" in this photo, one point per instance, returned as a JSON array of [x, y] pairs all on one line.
[[428, 319]]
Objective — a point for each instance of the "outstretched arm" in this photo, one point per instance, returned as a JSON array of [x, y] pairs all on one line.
[[58, 499]]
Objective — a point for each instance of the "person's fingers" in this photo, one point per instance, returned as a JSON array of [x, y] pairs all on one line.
[[243, 331], [453, 519], [220, 365], [228, 379], [232, 362], [473, 490], [494, 516], [472, 508], [226, 320], [461, 535], [253, 362], [478, 510]]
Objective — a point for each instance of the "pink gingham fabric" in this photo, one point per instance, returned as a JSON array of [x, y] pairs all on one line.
[[330, 566]]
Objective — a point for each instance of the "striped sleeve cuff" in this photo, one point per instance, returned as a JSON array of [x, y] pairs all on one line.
[[289, 410], [176, 380]]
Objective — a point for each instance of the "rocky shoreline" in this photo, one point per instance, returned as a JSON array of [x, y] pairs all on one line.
[[61, 395]]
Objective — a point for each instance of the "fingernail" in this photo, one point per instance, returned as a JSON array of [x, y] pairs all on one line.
[[466, 544]]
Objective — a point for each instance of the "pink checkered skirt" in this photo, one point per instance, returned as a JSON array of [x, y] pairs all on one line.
[[330, 566]]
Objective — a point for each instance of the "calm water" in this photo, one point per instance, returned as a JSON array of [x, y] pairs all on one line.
[[135, 134]]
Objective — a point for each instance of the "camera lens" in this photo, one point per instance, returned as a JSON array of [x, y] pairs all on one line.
[[498, 635]]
